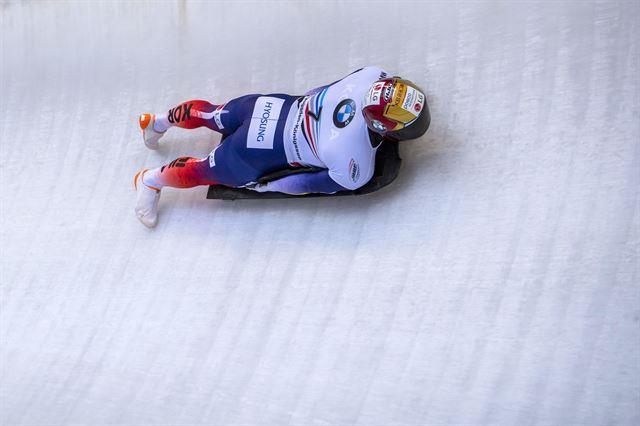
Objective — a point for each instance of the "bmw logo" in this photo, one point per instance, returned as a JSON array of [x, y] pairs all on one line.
[[344, 112]]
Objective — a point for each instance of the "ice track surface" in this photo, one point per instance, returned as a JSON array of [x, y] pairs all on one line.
[[495, 282]]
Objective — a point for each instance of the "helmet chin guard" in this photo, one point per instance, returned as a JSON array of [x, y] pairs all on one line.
[[396, 109]]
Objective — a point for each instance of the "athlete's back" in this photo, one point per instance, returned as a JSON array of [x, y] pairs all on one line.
[[334, 133]]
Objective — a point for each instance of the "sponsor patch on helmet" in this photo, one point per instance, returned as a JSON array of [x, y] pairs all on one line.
[[344, 112], [374, 94], [413, 101], [406, 104], [386, 94]]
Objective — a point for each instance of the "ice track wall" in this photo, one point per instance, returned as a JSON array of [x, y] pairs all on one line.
[[495, 282]]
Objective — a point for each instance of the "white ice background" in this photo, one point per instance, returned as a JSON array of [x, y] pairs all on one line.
[[495, 281]]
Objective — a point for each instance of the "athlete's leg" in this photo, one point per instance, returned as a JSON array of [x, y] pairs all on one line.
[[189, 115], [224, 118], [183, 172], [223, 166], [234, 162]]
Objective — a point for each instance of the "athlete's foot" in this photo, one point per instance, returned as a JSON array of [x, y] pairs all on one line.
[[150, 135], [147, 201]]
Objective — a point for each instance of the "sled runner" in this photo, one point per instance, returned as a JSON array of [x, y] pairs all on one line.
[[387, 167]]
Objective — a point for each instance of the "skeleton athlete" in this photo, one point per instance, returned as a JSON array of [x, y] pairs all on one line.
[[335, 128]]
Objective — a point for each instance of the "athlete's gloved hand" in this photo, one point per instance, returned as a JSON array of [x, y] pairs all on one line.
[[301, 183], [259, 187]]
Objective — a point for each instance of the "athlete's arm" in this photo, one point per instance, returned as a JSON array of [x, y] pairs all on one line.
[[303, 183]]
